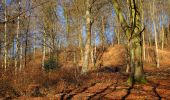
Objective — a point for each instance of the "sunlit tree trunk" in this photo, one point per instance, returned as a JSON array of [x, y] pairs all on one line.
[[81, 43], [44, 49], [92, 54], [53, 47], [17, 40], [93, 51], [135, 39], [143, 35], [156, 45], [26, 43], [88, 38], [66, 15], [20, 57], [128, 58], [5, 38], [163, 32], [156, 37], [117, 36], [102, 33]]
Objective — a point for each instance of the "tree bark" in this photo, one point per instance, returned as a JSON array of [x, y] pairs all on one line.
[[134, 36], [81, 44], [17, 40], [44, 49], [143, 35], [88, 38], [102, 33], [163, 32], [34, 47], [20, 57], [5, 38], [156, 38]]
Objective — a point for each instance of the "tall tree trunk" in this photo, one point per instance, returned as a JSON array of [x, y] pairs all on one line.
[[81, 44], [163, 32], [118, 36], [135, 39], [143, 35], [93, 52], [156, 46], [26, 42], [5, 38], [156, 38], [66, 14], [138, 41], [17, 40], [34, 47], [44, 49], [20, 57], [53, 47], [26, 49], [102, 33], [88, 38]]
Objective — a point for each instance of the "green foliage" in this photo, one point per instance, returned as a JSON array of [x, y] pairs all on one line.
[[51, 64]]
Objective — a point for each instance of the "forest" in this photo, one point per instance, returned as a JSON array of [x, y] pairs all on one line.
[[84, 49]]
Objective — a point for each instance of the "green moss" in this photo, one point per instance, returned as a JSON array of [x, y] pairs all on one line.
[[142, 80], [130, 81]]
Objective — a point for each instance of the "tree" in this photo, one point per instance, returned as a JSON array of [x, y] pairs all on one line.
[[156, 37], [17, 38], [5, 36], [88, 38], [134, 35]]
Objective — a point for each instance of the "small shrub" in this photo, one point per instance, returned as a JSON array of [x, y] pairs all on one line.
[[51, 64]]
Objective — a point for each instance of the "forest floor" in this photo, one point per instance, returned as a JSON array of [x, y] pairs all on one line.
[[157, 88], [105, 83]]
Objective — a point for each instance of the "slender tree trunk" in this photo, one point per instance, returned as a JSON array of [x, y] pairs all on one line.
[[34, 47], [5, 39], [88, 38], [143, 35], [156, 38], [17, 40], [53, 47], [20, 58], [44, 49], [94, 50], [102, 33], [13, 52], [0, 52], [156, 46], [128, 58], [26, 49], [74, 57], [49, 50], [144, 53], [81, 44], [92, 55], [163, 32], [67, 28], [118, 36]]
